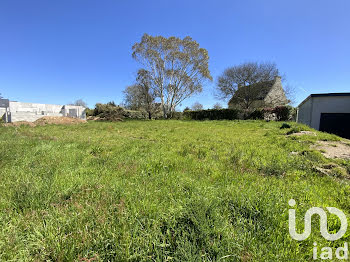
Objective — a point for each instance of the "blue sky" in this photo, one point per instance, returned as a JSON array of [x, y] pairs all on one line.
[[60, 50]]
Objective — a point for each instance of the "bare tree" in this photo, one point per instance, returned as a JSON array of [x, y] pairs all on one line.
[[1, 96], [141, 95], [197, 106], [177, 68], [290, 92], [187, 109], [217, 106], [244, 75], [79, 102]]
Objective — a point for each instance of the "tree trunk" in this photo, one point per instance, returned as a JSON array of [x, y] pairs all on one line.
[[163, 107]]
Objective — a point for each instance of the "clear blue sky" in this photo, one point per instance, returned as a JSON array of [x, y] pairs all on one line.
[[56, 51]]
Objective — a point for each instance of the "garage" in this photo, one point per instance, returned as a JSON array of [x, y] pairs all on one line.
[[336, 123], [326, 112]]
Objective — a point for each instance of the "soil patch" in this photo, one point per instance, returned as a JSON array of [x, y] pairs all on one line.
[[333, 149], [20, 123], [46, 120], [301, 133]]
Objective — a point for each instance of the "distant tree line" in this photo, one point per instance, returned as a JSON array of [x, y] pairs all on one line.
[[174, 69]]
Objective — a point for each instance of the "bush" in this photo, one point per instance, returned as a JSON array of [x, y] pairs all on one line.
[[89, 112], [108, 112], [213, 114], [256, 114], [111, 112], [292, 113], [279, 113], [282, 113], [285, 125], [177, 115], [134, 114]]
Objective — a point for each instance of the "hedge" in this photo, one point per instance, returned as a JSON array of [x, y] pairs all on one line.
[[213, 114], [110, 112], [279, 113]]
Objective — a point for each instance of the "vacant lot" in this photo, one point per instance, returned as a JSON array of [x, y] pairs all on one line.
[[163, 191]]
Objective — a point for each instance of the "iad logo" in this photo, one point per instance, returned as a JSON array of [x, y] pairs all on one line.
[[323, 223], [326, 251]]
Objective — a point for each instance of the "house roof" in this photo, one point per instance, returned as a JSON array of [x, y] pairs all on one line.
[[323, 95], [263, 87]]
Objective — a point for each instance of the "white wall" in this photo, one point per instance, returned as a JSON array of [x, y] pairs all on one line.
[[31, 111], [328, 104], [309, 113], [304, 112], [2, 112], [81, 111], [34, 108]]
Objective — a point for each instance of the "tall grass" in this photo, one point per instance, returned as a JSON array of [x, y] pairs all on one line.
[[160, 191]]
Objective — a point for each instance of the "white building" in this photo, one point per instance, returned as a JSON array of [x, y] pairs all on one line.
[[326, 112], [11, 111]]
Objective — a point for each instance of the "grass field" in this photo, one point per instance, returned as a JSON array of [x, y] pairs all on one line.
[[162, 191]]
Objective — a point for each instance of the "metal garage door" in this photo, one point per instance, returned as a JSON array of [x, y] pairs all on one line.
[[336, 123]]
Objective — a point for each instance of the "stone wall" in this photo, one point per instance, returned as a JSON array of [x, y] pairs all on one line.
[[276, 96]]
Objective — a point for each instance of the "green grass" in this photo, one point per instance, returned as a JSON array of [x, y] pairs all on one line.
[[161, 191]]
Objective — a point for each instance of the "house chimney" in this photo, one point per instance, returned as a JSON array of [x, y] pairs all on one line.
[[278, 79]]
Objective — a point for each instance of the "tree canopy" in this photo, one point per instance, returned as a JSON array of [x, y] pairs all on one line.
[[245, 74], [79, 102], [141, 94], [177, 68], [217, 106], [197, 106]]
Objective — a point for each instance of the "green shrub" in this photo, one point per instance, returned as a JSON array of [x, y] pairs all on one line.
[[89, 112], [213, 114], [134, 114], [256, 114], [108, 112], [285, 125], [279, 113], [282, 113], [177, 115], [111, 112], [292, 113]]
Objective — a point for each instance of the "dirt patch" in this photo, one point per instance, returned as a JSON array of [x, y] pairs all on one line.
[[333, 171], [301, 133], [20, 123], [46, 120], [333, 149], [109, 119]]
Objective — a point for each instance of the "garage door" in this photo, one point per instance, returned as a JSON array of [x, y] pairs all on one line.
[[336, 123]]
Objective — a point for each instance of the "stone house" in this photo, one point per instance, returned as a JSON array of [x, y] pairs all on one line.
[[11, 111], [262, 94]]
